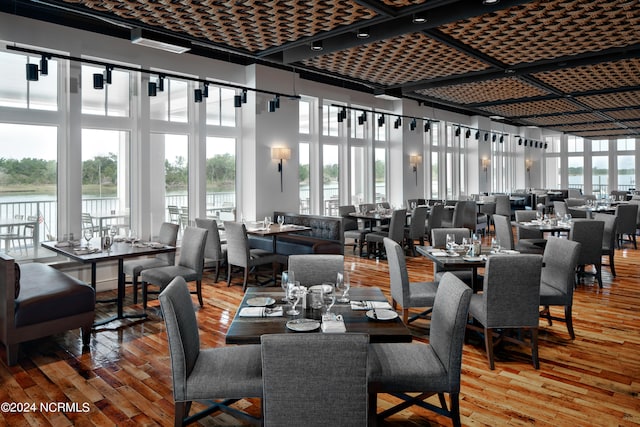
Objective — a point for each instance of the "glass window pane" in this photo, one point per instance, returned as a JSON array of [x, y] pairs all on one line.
[[28, 183], [330, 176], [176, 154], [159, 108], [600, 145], [13, 85], [118, 94], [626, 172], [228, 109], [434, 175], [304, 122], [357, 130], [576, 172], [93, 100], [380, 174], [178, 101], [303, 171], [600, 174], [553, 177], [358, 175], [221, 178], [213, 106], [380, 126], [626, 144], [43, 94]]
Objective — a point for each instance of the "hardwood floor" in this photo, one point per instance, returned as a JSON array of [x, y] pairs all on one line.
[[125, 376]]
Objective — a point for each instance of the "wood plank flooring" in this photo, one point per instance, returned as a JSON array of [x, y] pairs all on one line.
[[125, 376]]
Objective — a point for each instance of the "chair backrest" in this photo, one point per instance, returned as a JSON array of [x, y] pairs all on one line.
[[559, 260], [574, 192], [503, 205], [448, 323], [619, 195], [168, 236], [396, 225], [237, 244], [213, 247], [435, 218], [87, 221], [418, 222], [319, 380], [314, 269], [627, 215], [609, 231], [504, 232], [174, 213], [398, 275], [417, 202], [511, 290], [637, 203], [182, 332], [526, 216], [194, 240], [439, 235], [464, 215], [571, 202], [367, 207], [589, 233], [560, 207], [348, 222], [488, 207]]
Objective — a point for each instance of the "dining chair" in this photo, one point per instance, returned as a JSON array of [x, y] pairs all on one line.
[[315, 269], [489, 209], [220, 375], [318, 380], [531, 241], [168, 236], [427, 369], [557, 279], [27, 233], [350, 227], [504, 235], [572, 203], [608, 238], [174, 214], [627, 215], [503, 205], [407, 294], [239, 253], [189, 266], [395, 233], [510, 299], [589, 233], [12, 235], [560, 208], [215, 253], [415, 230], [439, 240]]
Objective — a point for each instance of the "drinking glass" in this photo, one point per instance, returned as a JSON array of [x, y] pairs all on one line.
[[108, 241], [538, 215], [451, 240], [287, 277], [297, 292], [280, 220], [495, 245], [88, 235], [343, 286], [329, 297], [113, 231]]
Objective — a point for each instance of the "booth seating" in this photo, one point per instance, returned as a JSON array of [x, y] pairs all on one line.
[[36, 301]]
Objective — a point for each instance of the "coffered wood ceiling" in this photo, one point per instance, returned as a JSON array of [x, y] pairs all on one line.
[[569, 65]]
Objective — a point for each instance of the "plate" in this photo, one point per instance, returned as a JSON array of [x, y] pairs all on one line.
[[260, 301], [326, 289], [472, 258], [303, 325], [381, 314]]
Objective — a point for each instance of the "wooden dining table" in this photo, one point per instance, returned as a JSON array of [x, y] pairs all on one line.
[[248, 330], [456, 263]]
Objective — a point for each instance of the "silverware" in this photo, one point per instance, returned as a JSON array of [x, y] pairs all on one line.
[[375, 315]]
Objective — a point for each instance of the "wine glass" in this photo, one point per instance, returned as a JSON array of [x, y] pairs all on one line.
[[108, 241], [297, 292], [329, 297], [287, 277], [495, 245], [343, 286], [451, 240], [280, 220], [88, 235]]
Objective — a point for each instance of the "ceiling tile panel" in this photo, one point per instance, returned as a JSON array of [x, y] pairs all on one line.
[[251, 25], [612, 100], [485, 91], [626, 114], [387, 62], [403, 3], [564, 119], [607, 75], [542, 30], [533, 108]]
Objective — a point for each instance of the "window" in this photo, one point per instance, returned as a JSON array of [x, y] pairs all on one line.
[[112, 99], [357, 128], [28, 183], [330, 120], [358, 175], [600, 145], [576, 172], [626, 172], [17, 92], [626, 144], [176, 172], [575, 144], [220, 107], [304, 117], [221, 178], [381, 174], [330, 174], [600, 174], [380, 127], [171, 103], [303, 171]]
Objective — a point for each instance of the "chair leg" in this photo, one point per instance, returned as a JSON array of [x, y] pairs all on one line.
[[228, 275], [612, 266], [547, 314], [86, 335], [488, 343], [134, 285], [217, 270], [405, 315], [199, 292], [455, 409], [12, 354], [598, 268], [534, 348], [246, 279], [373, 409], [180, 413], [143, 285], [569, 321]]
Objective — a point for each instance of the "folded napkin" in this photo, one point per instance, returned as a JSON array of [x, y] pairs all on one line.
[[62, 244], [438, 253], [260, 312], [368, 305], [333, 326]]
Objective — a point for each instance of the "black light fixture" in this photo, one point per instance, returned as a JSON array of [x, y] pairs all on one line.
[[477, 135], [107, 75], [467, 134], [44, 66], [271, 106], [364, 116], [545, 145], [244, 96], [427, 126], [536, 145], [363, 33], [339, 116], [205, 90], [361, 119], [413, 124], [98, 81], [396, 123], [237, 101], [277, 101], [501, 139], [381, 120], [152, 89], [343, 113], [458, 131], [316, 46], [486, 137], [493, 137], [161, 83], [32, 72], [525, 142], [418, 18], [197, 95], [520, 141]]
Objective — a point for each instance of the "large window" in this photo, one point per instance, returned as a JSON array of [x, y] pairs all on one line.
[[330, 174], [330, 120], [176, 174], [17, 92], [358, 175], [171, 103], [576, 172], [600, 174], [626, 172], [220, 107], [381, 174], [304, 117], [112, 100], [303, 171], [221, 178]]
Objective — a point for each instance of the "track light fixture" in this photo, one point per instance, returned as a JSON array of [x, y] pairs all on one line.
[[205, 90], [237, 101], [501, 139], [381, 120], [32, 72], [277, 101], [271, 106], [477, 135], [536, 145], [427, 126], [361, 119], [363, 33], [458, 131], [413, 124], [486, 137], [316, 46], [161, 83], [418, 18], [467, 134], [107, 75], [98, 81], [152, 89], [197, 95], [396, 123], [493, 137], [244, 96], [44, 66], [545, 145], [339, 116], [343, 113], [364, 116], [520, 141]]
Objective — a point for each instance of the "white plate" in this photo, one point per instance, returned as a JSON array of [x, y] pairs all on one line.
[[472, 258], [326, 289], [303, 325], [260, 301], [381, 314]]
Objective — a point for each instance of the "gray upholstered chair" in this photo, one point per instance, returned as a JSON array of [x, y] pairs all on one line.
[[315, 379], [189, 266], [510, 299], [608, 238], [350, 227], [395, 233], [426, 368], [215, 253], [408, 295], [168, 236], [314, 269], [557, 279], [434, 220], [572, 203], [229, 373], [465, 215], [415, 230], [619, 195], [627, 223], [239, 253], [504, 234], [529, 241], [503, 205], [439, 240], [488, 207], [560, 208], [589, 233]]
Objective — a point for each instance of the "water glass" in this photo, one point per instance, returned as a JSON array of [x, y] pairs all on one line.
[[451, 240], [287, 277], [343, 285], [296, 292], [280, 220], [495, 245], [88, 235], [267, 222]]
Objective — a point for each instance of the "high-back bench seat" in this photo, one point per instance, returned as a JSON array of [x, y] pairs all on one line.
[[36, 301]]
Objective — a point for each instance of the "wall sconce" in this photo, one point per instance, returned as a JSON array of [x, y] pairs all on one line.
[[528, 163], [280, 154], [485, 166], [415, 160]]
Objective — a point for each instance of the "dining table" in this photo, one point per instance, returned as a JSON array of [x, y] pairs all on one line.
[[119, 251], [373, 217], [275, 230], [457, 261], [554, 228], [248, 330]]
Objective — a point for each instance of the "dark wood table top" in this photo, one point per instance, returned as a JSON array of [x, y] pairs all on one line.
[[275, 229], [544, 227], [247, 330], [119, 250]]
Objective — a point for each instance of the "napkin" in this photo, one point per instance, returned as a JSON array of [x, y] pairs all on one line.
[[260, 312], [62, 244], [368, 305], [333, 326], [439, 253]]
